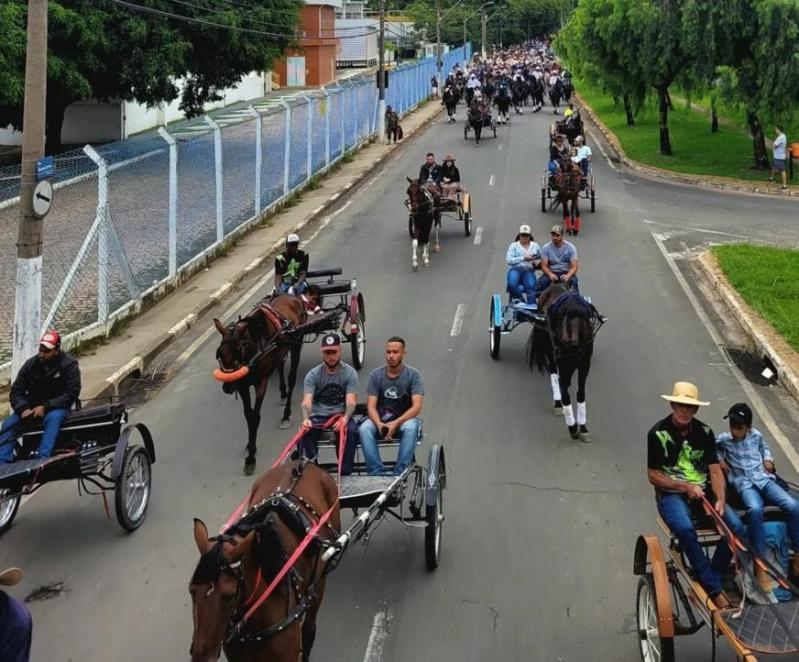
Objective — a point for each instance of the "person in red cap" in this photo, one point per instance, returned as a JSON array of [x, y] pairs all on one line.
[[46, 388]]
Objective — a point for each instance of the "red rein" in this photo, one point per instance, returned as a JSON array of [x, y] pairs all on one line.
[[242, 508]]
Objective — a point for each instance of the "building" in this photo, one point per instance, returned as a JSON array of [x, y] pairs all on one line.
[[313, 61]]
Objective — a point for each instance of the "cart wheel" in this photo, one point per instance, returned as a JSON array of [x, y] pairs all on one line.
[[358, 343], [460, 212], [9, 505], [653, 647], [593, 200], [494, 332], [543, 201], [467, 224], [434, 512], [410, 225], [132, 489]]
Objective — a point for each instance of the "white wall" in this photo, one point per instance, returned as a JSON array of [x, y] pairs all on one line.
[[9, 136]]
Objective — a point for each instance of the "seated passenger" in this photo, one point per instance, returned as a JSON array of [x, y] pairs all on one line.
[[559, 149], [558, 261], [394, 402], [583, 156], [450, 178], [746, 458], [523, 258], [291, 268]]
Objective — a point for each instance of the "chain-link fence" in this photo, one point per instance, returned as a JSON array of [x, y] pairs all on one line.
[[131, 218]]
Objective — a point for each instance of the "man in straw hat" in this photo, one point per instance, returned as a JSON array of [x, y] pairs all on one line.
[[681, 461], [16, 626]]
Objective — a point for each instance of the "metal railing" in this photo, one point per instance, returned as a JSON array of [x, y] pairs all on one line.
[[131, 220]]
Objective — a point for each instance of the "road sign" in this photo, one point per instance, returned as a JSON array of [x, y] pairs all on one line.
[[42, 198], [45, 167]]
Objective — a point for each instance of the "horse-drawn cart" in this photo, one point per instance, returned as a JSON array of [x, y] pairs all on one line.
[[504, 318], [571, 127], [94, 447], [549, 191]]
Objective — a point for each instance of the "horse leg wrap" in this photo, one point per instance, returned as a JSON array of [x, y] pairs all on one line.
[[568, 413], [554, 381], [581, 414], [426, 254], [414, 259]]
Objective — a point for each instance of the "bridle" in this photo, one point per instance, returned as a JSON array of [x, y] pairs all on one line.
[[415, 207]]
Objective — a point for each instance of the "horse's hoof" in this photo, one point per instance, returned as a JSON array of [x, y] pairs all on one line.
[[437, 249], [585, 435], [249, 466], [415, 267], [574, 431], [285, 424], [557, 409]]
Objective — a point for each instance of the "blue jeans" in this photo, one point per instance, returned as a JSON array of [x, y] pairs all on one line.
[[408, 433], [544, 282], [10, 430], [521, 281], [299, 288], [676, 512], [16, 628], [308, 445], [754, 499]]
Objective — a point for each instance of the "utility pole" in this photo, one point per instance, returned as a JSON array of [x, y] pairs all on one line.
[[381, 73], [464, 31], [28, 299], [438, 43], [483, 31]]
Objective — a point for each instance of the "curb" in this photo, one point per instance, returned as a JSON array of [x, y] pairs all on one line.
[[750, 322], [724, 184], [139, 363]]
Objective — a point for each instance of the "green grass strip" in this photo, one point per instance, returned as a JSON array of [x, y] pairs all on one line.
[[768, 280]]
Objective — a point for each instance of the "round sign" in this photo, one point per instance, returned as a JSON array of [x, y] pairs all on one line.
[[42, 198]]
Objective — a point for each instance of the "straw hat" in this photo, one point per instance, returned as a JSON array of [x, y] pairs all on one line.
[[10, 577], [685, 393], [449, 157]]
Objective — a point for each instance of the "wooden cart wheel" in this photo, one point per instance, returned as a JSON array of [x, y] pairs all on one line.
[[494, 332], [9, 506], [653, 647]]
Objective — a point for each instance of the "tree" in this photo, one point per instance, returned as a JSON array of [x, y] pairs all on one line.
[[105, 51]]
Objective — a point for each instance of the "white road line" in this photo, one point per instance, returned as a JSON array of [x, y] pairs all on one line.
[[478, 235], [605, 155], [491, 181], [457, 323], [694, 229], [499, 147], [754, 397], [259, 285], [378, 636]]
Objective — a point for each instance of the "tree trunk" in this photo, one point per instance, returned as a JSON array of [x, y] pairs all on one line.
[[628, 110], [758, 141], [663, 110], [714, 117]]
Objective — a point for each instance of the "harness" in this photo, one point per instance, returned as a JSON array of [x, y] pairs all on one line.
[[429, 201]]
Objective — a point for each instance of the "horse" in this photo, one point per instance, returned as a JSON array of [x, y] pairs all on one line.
[[476, 115], [236, 566], [502, 102], [555, 93], [568, 89], [518, 88], [422, 205], [450, 101], [537, 93], [563, 345], [568, 181], [251, 350]]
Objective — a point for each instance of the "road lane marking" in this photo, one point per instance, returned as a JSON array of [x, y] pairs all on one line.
[[478, 236], [754, 397], [695, 229], [378, 635], [499, 147], [604, 154], [491, 181], [457, 323]]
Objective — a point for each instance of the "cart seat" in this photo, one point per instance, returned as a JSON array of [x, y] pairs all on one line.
[[89, 416]]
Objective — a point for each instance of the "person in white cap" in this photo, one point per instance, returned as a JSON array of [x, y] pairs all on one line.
[[16, 625], [683, 467], [291, 267], [45, 389], [523, 258]]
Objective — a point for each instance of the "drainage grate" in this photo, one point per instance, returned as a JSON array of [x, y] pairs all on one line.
[[752, 366]]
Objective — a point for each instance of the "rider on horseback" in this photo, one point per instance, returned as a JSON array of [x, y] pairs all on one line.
[[558, 261], [291, 267]]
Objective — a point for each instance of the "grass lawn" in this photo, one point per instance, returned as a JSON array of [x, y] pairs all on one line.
[[768, 280], [696, 150]]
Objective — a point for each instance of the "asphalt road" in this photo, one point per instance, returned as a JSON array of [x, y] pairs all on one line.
[[539, 530]]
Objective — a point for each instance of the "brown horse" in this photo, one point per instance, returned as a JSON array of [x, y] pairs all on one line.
[[251, 350], [568, 180], [425, 216], [236, 567]]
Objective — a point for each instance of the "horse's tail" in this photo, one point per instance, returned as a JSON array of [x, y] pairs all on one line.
[[538, 349]]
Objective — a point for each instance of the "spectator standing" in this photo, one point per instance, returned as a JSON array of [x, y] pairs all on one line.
[[780, 153]]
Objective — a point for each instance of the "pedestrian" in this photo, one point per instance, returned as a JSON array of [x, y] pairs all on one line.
[[16, 625], [434, 85], [780, 153]]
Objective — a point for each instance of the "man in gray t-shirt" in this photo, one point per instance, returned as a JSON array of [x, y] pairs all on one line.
[[394, 402], [558, 261], [330, 389]]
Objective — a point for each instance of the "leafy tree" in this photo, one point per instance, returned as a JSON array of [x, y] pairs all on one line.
[[105, 51]]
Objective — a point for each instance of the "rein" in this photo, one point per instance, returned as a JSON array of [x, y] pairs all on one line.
[[429, 202]]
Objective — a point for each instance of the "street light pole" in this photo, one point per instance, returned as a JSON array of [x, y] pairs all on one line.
[[464, 32], [483, 27], [381, 74], [28, 298], [438, 43]]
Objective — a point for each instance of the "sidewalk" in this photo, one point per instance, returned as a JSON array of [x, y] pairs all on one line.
[[707, 181], [145, 336]]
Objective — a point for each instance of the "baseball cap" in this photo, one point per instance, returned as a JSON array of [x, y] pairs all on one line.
[[740, 413], [50, 339], [525, 229], [293, 239], [556, 229], [331, 340]]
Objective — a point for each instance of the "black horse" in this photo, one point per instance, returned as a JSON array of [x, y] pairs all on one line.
[[502, 102], [564, 344], [555, 95], [425, 215], [450, 100], [476, 116]]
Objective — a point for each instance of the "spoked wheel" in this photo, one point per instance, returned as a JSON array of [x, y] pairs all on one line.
[[593, 196], [132, 489], [467, 223], [653, 647], [9, 505], [358, 343], [434, 511], [494, 332]]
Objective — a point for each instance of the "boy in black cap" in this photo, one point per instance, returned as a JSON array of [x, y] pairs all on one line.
[[746, 458]]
